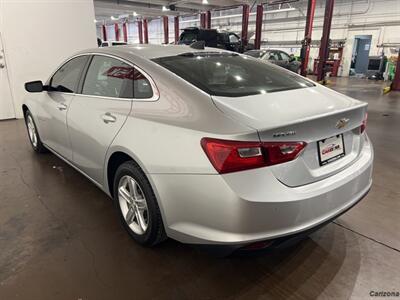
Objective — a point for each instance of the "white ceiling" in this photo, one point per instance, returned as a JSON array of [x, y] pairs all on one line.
[[105, 9]]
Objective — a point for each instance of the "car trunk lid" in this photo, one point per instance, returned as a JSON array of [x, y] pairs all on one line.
[[309, 115]]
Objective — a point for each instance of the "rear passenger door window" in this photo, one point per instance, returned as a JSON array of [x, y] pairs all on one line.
[[109, 77]]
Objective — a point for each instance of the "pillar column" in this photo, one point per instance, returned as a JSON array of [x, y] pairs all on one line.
[[305, 50], [324, 48], [259, 20]]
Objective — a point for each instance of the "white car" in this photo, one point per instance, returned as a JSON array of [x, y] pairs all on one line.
[[203, 145]]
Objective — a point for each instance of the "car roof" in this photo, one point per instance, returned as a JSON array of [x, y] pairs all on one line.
[[149, 51], [197, 29]]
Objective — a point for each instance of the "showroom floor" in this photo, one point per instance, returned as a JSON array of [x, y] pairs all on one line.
[[60, 237]]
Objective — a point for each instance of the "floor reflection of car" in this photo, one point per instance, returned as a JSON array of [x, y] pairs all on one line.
[[277, 57], [113, 43]]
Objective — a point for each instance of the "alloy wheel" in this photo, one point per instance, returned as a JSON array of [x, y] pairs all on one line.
[[133, 204], [32, 131]]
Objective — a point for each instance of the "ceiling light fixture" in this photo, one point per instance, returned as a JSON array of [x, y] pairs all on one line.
[[240, 15], [164, 8], [113, 18], [135, 14], [204, 1]]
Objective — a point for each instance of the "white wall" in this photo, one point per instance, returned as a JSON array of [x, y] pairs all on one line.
[[38, 35], [7, 109]]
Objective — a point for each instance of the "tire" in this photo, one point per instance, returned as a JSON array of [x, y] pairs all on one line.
[[131, 183], [33, 133]]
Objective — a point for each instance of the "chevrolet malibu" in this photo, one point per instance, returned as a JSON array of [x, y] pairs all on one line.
[[203, 145]]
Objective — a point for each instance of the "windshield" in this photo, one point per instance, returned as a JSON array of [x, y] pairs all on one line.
[[231, 75]]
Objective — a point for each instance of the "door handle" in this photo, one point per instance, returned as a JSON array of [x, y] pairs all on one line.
[[108, 118], [62, 106]]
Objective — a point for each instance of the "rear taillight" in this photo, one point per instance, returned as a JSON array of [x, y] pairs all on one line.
[[232, 156], [364, 123]]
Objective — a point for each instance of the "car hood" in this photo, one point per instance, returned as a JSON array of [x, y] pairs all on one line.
[[276, 109]]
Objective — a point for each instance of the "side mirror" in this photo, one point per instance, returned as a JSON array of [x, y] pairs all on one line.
[[34, 86], [292, 58]]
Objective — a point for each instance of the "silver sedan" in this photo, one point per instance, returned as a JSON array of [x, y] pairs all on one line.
[[202, 145]]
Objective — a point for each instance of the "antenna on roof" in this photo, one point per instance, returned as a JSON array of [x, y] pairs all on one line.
[[199, 45]]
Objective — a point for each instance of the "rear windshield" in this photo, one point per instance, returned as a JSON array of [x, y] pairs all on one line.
[[231, 75]]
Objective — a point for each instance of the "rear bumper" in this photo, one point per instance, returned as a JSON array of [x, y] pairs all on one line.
[[245, 207]]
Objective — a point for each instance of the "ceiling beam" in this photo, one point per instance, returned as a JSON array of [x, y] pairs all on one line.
[[153, 8]]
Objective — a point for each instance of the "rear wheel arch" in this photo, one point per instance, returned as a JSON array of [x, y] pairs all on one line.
[[116, 159]]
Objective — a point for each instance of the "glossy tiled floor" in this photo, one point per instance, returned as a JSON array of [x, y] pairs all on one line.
[[60, 237]]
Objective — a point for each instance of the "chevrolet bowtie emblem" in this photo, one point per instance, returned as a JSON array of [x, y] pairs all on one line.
[[342, 123]]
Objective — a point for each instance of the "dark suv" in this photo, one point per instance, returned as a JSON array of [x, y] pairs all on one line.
[[213, 38]]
